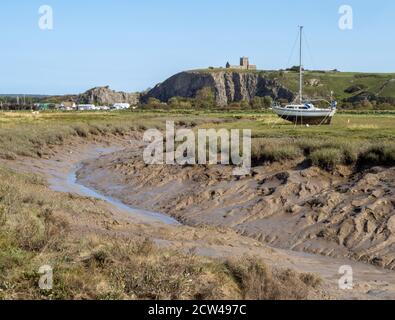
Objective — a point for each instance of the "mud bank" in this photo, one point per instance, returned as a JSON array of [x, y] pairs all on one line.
[[288, 206]]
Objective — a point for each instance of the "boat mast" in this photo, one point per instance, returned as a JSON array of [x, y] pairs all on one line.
[[300, 68]]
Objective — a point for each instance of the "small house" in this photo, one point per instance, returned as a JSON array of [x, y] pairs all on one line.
[[86, 107], [121, 106], [68, 105], [43, 106]]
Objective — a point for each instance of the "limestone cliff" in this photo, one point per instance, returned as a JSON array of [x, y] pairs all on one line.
[[106, 96], [229, 86]]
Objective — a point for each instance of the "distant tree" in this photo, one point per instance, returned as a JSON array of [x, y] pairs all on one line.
[[205, 98], [155, 103], [180, 103], [257, 103], [205, 93], [234, 106], [282, 101], [244, 104], [294, 69], [267, 102], [346, 106], [227, 65], [385, 106], [261, 102], [366, 105], [355, 88], [173, 102], [186, 104]]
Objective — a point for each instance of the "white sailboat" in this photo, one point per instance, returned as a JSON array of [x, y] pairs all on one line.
[[304, 112]]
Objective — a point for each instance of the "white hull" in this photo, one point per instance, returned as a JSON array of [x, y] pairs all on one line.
[[305, 113], [311, 116]]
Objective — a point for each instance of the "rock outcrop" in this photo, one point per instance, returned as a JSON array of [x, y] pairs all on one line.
[[229, 86], [106, 96]]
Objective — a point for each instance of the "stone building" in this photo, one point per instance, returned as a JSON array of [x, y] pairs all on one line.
[[244, 65]]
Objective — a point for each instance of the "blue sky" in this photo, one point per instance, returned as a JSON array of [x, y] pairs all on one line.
[[132, 45]]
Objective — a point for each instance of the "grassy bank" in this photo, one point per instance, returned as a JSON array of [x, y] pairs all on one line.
[[32, 135], [358, 140], [326, 154]]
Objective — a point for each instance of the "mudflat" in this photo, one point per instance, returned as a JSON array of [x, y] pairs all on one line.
[[285, 205], [173, 190]]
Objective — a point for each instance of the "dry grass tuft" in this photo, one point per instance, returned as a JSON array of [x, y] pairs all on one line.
[[257, 282], [380, 154], [273, 150], [327, 158]]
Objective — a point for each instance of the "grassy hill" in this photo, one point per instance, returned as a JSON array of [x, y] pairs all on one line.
[[381, 85], [350, 88]]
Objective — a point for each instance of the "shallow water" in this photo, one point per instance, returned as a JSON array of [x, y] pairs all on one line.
[[71, 184]]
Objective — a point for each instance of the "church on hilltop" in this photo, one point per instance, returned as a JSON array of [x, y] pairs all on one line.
[[244, 65]]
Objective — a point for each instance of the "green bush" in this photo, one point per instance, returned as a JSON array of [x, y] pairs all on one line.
[[81, 131], [205, 98], [261, 102], [326, 158], [155, 103], [267, 151], [383, 154], [348, 150]]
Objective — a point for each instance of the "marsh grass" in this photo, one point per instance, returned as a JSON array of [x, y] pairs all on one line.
[[326, 158], [274, 150], [28, 135], [351, 135], [324, 153], [380, 154], [258, 282]]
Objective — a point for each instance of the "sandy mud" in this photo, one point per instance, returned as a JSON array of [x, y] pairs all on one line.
[[289, 206]]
